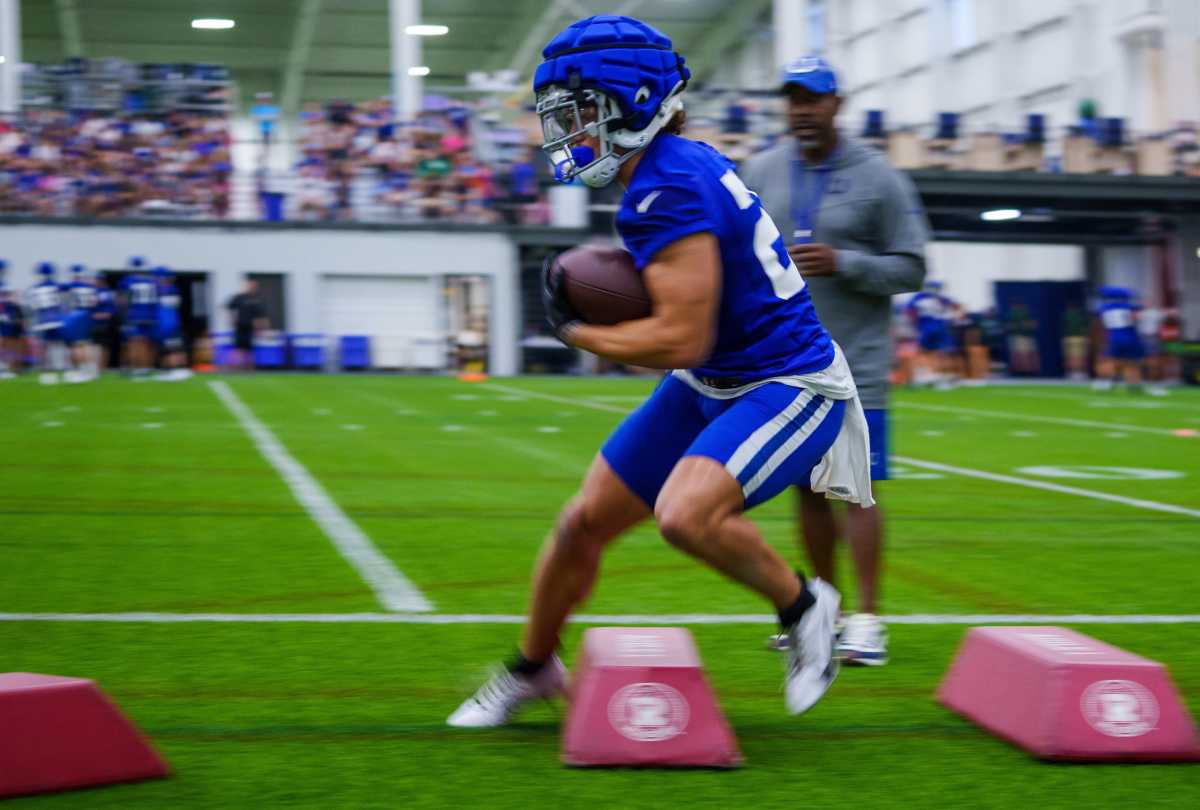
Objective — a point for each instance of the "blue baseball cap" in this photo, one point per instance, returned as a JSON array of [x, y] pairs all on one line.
[[812, 73]]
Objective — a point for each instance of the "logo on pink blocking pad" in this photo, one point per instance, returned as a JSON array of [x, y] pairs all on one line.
[[1119, 708], [648, 712]]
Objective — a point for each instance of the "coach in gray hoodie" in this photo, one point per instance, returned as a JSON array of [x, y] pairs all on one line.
[[855, 228]]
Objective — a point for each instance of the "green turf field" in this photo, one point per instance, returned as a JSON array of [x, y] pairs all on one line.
[[118, 498]]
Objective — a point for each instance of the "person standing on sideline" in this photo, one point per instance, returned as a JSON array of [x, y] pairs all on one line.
[[857, 231], [249, 317]]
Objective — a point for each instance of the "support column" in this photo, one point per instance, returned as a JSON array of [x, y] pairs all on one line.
[[407, 90], [1184, 251], [1182, 61], [789, 18], [10, 57]]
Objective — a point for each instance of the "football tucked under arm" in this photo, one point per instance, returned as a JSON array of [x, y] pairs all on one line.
[[684, 283]]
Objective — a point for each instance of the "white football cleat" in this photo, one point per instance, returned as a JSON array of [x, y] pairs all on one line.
[[779, 641], [811, 663], [864, 642], [504, 693]]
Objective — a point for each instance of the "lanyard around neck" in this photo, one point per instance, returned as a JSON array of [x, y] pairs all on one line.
[[806, 205]]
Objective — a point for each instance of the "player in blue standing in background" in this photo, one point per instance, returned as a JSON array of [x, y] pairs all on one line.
[[81, 301], [1122, 343], [44, 301], [760, 397], [169, 337], [12, 328], [141, 317], [933, 314]]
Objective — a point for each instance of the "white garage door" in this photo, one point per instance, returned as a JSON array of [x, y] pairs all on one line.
[[403, 315]]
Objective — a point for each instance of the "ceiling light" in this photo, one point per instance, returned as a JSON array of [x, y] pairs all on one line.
[[213, 24], [3, 59], [427, 30], [1000, 215], [418, 70]]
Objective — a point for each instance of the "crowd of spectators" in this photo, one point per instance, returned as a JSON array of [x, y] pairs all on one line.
[[357, 164], [354, 164], [58, 163]]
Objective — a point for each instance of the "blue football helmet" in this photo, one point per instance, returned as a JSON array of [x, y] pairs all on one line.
[[610, 78], [46, 270]]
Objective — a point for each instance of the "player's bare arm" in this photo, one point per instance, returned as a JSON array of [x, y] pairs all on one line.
[[684, 282]]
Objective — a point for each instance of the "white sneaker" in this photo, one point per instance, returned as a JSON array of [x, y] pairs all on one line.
[[48, 378], [779, 641], [811, 663], [1156, 390], [504, 693], [7, 375], [864, 642]]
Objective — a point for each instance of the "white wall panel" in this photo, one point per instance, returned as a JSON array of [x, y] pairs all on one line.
[[913, 101], [304, 255], [1044, 57], [910, 41], [969, 270]]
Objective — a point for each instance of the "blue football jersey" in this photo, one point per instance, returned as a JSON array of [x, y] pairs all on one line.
[[767, 325], [105, 301], [143, 298], [12, 319], [45, 300], [932, 311], [168, 298], [82, 297], [1118, 317]]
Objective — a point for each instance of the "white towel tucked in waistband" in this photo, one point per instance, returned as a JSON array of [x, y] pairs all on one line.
[[844, 472]]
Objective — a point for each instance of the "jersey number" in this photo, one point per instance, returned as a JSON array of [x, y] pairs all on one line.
[[785, 279]]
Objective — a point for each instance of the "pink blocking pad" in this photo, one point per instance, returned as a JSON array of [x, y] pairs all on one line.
[[1062, 695], [59, 733], [639, 698]]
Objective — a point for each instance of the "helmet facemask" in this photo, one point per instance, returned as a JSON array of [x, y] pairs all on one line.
[[571, 116]]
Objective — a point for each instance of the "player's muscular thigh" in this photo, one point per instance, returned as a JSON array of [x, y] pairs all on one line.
[[699, 494], [604, 508]]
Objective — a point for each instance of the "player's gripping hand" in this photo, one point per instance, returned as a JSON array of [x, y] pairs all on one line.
[[563, 319]]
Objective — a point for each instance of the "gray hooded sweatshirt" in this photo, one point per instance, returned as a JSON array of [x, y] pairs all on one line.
[[871, 216]]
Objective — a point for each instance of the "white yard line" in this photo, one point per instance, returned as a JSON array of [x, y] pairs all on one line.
[[394, 590], [488, 432], [1105, 399], [1139, 503], [1017, 416], [577, 402], [586, 618]]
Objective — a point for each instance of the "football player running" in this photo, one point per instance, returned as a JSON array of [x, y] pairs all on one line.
[[760, 398]]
